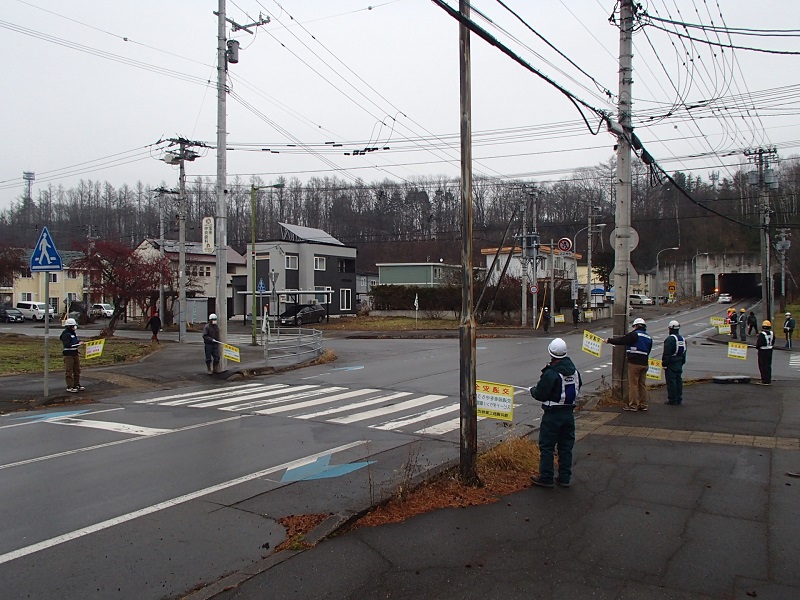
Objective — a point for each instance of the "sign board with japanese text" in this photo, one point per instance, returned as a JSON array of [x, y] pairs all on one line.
[[592, 344], [230, 352], [209, 244], [495, 400], [94, 348], [558, 318], [717, 321], [724, 328], [736, 350], [654, 367]]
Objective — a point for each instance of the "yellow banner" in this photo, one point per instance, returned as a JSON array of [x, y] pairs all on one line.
[[495, 400], [654, 367], [723, 328], [717, 321], [592, 344], [230, 352], [558, 318], [737, 350], [94, 348]]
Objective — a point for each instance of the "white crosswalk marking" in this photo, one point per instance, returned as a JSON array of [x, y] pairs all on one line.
[[370, 407], [794, 361]]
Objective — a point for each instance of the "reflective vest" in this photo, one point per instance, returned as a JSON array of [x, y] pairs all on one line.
[[644, 344], [570, 389], [680, 344], [769, 338]]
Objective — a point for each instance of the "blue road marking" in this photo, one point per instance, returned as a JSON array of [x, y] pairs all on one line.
[[321, 469], [53, 415]]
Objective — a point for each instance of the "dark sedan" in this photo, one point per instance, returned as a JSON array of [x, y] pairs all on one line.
[[11, 315], [300, 314]]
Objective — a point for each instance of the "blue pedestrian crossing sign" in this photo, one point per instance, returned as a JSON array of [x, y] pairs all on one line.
[[261, 287], [45, 257]]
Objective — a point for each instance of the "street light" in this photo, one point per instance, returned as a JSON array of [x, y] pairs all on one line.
[[591, 231], [657, 277], [253, 190]]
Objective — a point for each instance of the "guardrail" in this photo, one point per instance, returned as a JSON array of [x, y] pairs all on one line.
[[290, 342]]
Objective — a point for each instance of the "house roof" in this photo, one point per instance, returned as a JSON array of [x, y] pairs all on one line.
[[298, 233], [67, 256], [543, 249], [195, 250]]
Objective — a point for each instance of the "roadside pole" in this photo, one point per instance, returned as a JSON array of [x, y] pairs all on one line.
[[47, 333], [45, 258]]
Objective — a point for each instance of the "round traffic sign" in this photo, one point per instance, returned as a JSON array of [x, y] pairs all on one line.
[[534, 289], [565, 244]]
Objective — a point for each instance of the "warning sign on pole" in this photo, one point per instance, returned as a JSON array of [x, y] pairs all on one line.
[[592, 344]]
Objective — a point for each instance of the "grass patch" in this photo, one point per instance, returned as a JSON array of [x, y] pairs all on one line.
[[23, 354], [503, 470]]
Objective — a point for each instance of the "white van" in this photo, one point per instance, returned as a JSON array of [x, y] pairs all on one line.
[[34, 310]]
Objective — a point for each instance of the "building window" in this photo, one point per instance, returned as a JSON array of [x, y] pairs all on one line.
[[319, 263], [208, 271], [345, 299], [26, 297], [53, 279], [292, 262], [73, 297], [373, 283], [362, 282], [26, 273], [72, 274], [437, 272], [323, 298]]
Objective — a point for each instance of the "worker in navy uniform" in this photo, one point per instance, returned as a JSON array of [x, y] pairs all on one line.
[[673, 359], [764, 344], [558, 389], [788, 329], [734, 319], [638, 346], [72, 360], [546, 319], [743, 325]]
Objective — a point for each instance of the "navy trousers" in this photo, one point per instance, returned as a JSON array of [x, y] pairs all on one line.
[[557, 432]]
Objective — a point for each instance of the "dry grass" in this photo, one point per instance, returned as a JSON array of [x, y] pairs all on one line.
[[502, 470], [363, 323], [297, 527]]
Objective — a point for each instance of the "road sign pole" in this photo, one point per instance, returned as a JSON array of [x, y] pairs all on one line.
[[46, 333]]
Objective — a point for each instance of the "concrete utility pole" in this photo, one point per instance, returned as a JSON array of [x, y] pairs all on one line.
[[783, 244], [589, 235], [227, 52], [552, 280], [535, 261], [622, 248], [523, 262], [469, 401], [764, 179]]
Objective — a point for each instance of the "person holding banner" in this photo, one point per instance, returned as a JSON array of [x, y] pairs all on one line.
[[742, 325], [673, 359], [72, 360], [546, 319], [557, 390], [734, 321], [211, 343], [638, 346], [764, 345]]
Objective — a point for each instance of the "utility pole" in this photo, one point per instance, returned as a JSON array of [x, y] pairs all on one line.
[[535, 250], [782, 246], [765, 179], [227, 52], [552, 280], [469, 400], [622, 217], [523, 261]]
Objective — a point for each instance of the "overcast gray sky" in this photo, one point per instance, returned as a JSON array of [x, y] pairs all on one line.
[[90, 87]]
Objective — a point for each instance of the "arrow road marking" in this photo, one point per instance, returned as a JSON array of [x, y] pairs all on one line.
[[321, 469]]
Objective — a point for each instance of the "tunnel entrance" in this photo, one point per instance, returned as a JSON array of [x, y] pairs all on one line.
[[740, 285]]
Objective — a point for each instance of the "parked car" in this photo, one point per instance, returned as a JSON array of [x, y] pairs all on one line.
[[34, 311], [101, 310], [11, 315], [724, 299], [303, 313], [640, 300]]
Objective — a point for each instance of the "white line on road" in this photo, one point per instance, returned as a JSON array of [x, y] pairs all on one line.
[[110, 426], [78, 533]]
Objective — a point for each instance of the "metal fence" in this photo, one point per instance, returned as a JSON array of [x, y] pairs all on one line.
[[291, 343]]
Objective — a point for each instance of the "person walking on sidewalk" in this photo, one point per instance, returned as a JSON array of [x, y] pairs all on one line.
[[639, 344], [576, 315], [764, 345], [788, 329], [546, 319], [558, 389], [211, 344], [673, 359], [734, 320], [752, 323], [72, 360], [742, 325], [155, 326]]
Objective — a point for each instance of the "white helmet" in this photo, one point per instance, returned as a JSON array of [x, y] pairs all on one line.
[[788, 314], [674, 324], [212, 317], [639, 321], [70, 322], [557, 348]]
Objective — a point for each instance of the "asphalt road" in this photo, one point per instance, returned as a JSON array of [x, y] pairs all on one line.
[[149, 495]]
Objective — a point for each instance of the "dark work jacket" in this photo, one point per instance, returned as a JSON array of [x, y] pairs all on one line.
[[211, 333], [549, 390], [629, 340], [69, 339]]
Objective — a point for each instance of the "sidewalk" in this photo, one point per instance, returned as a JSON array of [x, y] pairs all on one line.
[[686, 502]]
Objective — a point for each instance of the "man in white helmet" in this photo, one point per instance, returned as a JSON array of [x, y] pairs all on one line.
[[638, 346], [557, 390], [211, 344], [673, 359], [72, 360]]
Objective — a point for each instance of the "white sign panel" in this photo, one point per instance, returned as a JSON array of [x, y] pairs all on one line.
[[209, 246]]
